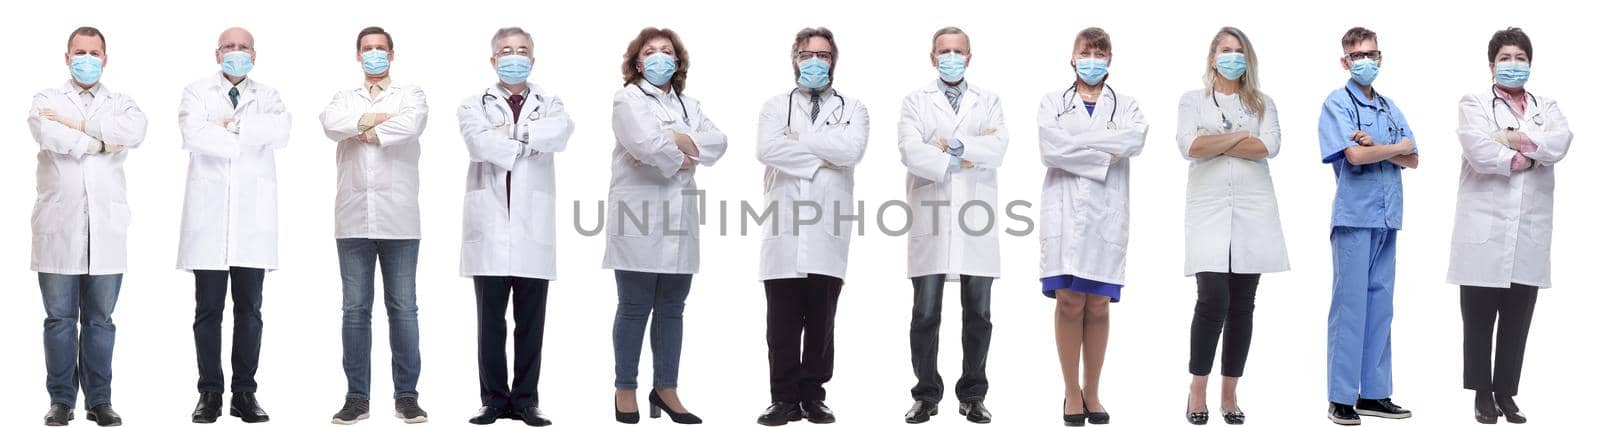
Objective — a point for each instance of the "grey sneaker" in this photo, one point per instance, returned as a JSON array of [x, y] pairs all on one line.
[[353, 410], [406, 408]]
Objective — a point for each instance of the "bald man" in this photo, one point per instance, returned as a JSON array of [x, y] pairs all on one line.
[[231, 125]]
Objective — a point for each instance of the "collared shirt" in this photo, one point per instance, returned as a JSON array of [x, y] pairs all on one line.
[[1367, 196], [376, 88], [956, 148]]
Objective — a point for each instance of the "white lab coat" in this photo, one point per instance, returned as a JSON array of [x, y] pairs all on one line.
[[1230, 221], [809, 162], [80, 220], [1503, 218], [376, 195], [1083, 221], [511, 234], [230, 206], [660, 232], [938, 244]]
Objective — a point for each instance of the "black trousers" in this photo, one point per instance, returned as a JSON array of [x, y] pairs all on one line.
[[527, 298], [800, 335], [1480, 306], [1224, 307], [210, 298], [926, 306]]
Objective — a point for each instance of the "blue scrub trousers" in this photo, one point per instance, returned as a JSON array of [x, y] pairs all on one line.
[[1358, 320]]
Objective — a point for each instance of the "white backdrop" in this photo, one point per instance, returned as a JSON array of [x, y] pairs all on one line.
[[1435, 53]]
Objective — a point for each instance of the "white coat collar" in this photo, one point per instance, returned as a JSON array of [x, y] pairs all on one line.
[[71, 88]]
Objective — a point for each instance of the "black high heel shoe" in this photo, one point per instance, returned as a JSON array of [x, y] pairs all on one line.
[[1096, 418], [1509, 408], [1072, 420], [1196, 418], [657, 406], [1233, 418], [624, 417]]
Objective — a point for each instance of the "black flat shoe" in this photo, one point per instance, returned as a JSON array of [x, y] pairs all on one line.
[[1233, 418], [488, 415], [208, 409], [975, 412], [1343, 414], [657, 406], [1096, 418], [245, 406], [816, 412], [1484, 409], [103, 415], [1509, 408], [921, 411], [1072, 420], [59, 415], [624, 417], [780, 413], [1381, 408], [533, 417]]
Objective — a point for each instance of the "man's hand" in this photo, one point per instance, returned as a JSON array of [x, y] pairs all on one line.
[[967, 165], [113, 148], [378, 119], [1520, 163], [1406, 146], [631, 161], [1362, 138], [688, 163], [988, 132], [1523, 143], [49, 114], [941, 144], [686, 145]]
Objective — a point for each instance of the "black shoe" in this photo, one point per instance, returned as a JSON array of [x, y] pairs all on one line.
[[532, 416], [1343, 414], [353, 410], [58, 415], [1509, 408], [624, 417], [975, 412], [103, 415], [407, 409], [488, 415], [1381, 408], [1096, 418], [1233, 418], [921, 411], [245, 406], [780, 413], [1484, 409], [657, 406], [1197, 418], [208, 409], [816, 412], [1072, 420]]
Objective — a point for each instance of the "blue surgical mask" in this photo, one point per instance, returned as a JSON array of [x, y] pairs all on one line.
[[1092, 70], [514, 69], [86, 69], [1511, 74], [375, 61], [1232, 65], [814, 74], [659, 68], [237, 64], [1364, 71], [952, 67]]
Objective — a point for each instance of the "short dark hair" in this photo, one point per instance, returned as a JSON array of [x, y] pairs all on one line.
[[805, 35], [1512, 36], [387, 39], [1093, 37], [1357, 35], [87, 32], [631, 57]]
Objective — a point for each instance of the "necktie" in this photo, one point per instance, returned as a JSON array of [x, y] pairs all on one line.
[[954, 93], [233, 96], [816, 105], [516, 113]]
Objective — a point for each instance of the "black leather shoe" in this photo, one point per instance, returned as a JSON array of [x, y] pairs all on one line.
[[1343, 414], [1233, 418], [532, 416], [58, 415], [975, 412], [1509, 408], [1381, 408], [780, 413], [488, 415], [921, 411], [624, 417], [1484, 409], [245, 406], [657, 406], [208, 409], [816, 412], [1096, 418], [1072, 420], [103, 415]]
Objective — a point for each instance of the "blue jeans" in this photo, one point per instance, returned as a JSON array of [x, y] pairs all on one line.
[[658, 298], [72, 359], [398, 259]]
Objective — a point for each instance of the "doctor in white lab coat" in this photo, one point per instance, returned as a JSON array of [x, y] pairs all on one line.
[[231, 125], [811, 139], [1087, 135], [1511, 141], [652, 212], [80, 224], [513, 130], [953, 139], [375, 128]]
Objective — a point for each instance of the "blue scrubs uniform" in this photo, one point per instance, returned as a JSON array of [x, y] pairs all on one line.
[[1366, 217]]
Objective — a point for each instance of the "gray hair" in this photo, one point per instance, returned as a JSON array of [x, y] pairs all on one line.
[[508, 32], [952, 30]]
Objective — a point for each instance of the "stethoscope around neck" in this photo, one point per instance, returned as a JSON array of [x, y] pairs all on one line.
[[1383, 104], [1494, 110], [489, 96], [681, 105], [788, 120], [1227, 124], [1070, 107]]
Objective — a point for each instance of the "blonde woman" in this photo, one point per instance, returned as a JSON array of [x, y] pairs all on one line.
[[1227, 130]]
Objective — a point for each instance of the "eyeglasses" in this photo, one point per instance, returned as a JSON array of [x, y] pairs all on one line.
[[517, 51], [808, 54], [1364, 54]]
